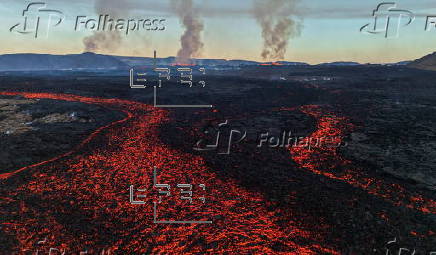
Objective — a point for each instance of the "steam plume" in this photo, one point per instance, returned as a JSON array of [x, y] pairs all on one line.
[[191, 44], [102, 41], [276, 18], [107, 40]]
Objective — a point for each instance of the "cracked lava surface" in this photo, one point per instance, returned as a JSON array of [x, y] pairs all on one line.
[[79, 201]]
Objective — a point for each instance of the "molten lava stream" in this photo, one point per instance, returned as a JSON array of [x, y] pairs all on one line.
[[323, 160], [81, 202]]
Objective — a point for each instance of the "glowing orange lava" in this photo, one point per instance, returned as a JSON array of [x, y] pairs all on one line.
[[79, 201], [323, 160]]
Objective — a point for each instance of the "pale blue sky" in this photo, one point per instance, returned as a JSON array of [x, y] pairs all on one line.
[[330, 31]]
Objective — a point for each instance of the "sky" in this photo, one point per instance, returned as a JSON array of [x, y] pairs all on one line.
[[330, 30]]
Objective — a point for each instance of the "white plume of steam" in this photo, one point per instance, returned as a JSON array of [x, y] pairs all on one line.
[[107, 40], [278, 23], [191, 43]]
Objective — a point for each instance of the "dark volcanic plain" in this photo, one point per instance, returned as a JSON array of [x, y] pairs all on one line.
[[393, 140]]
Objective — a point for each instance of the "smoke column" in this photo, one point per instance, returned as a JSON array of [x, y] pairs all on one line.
[[191, 39], [275, 17], [107, 40]]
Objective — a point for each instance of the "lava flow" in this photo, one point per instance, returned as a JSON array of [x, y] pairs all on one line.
[[79, 201], [325, 160]]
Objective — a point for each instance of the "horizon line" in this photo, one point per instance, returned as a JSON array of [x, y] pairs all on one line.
[[276, 61]]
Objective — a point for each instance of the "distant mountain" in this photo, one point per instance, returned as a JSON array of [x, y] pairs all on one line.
[[287, 63], [427, 62], [236, 62], [340, 63], [402, 63], [41, 62], [239, 62], [92, 61], [144, 61]]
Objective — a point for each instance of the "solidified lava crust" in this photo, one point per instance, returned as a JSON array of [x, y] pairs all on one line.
[[324, 160], [79, 201]]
